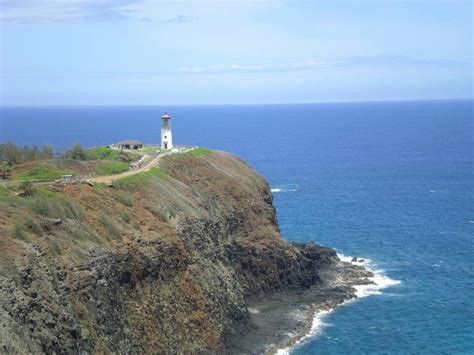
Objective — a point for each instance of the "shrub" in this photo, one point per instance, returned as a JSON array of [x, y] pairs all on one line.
[[33, 226], [18, 233], [110, 226], [56, 207], [15, 154], [3, 191], [102, 153], [125, 217], [27, 188], [124, 198], [77, 152]]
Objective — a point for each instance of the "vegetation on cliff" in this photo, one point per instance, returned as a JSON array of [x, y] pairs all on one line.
[[33, 163], [162, 261]]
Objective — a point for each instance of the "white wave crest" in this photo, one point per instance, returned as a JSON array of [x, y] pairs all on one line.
[[381, 281], [380, 278], [316, 329], [276, 190]]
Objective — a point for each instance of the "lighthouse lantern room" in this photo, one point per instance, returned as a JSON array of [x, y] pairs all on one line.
[[166, 138]]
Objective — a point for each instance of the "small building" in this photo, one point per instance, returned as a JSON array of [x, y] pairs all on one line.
[[66, 178], [129, 144]]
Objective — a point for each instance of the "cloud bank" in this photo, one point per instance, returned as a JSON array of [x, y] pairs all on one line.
[[314, 64], [41, 11]]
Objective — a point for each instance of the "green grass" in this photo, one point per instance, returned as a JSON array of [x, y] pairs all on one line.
[[124, 198], [132, 182], [18, 233], [55, 207], [110, 227], [198, 152], [33, 226], [125, 217], [104, 153], [3, 191], [42, 171], [111, 167], [42, 191]]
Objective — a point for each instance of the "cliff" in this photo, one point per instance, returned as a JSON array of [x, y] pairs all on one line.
[[165, 261]]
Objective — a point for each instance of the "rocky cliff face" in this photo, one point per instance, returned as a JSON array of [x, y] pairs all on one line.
[[161, 262]]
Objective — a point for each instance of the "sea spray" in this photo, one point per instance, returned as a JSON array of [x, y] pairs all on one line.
[[380, 281], [278, 190], [380, 278]]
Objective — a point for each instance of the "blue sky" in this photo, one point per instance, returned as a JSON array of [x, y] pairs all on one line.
[[233, 52]]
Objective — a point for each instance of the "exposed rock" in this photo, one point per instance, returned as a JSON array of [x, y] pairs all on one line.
[[173, 271]]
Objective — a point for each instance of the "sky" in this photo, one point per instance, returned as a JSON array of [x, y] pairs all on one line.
[[146, 52]]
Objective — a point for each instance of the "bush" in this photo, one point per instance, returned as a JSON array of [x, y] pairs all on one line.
[[111, 154], [125, 217], [27, 188], [14, 154], [124, 198], [110, 226], [56, 207], [77, 152], [34, 227], [3, 191], [18, 233]]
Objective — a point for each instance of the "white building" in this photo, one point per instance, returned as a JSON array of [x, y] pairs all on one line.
[[166, 137]]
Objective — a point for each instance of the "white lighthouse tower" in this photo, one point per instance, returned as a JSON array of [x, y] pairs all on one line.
[[166, 137]]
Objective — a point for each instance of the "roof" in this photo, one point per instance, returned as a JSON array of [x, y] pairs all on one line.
[[130, 142], [165, 116]]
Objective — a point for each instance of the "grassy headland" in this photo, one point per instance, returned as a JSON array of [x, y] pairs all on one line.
[[32, 163]]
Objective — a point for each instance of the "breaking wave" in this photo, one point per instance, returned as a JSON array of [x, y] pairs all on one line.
[[277, 190], [381, 281]]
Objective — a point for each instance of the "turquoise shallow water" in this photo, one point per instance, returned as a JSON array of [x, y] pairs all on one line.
[[389, 181]]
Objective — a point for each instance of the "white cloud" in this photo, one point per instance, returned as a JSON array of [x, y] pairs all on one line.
[[313, 64], [31, 11], [34, 11], [252, 67]]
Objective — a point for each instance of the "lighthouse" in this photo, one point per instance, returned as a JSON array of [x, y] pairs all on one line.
[[166, 138]]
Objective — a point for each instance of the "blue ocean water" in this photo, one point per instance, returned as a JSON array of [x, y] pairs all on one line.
[[389, 181]]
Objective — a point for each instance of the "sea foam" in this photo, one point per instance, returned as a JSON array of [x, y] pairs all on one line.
[[276, 190], [316, 328], [381, 281], [380, 278]]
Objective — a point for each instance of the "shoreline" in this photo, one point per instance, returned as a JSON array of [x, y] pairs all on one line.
[[378, 282], [313, 315], [282, 320]]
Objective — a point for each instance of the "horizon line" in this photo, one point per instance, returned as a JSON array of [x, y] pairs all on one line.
[[240, 104]]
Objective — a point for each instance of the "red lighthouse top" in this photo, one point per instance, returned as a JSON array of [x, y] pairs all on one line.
[[165, 116]]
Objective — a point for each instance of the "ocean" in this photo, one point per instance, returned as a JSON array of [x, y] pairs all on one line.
[[390, 181]]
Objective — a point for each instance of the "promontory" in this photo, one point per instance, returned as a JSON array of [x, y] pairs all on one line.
[[184, 258]]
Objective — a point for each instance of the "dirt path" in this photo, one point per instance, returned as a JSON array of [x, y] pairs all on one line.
[[104, 179], [109, 178]]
